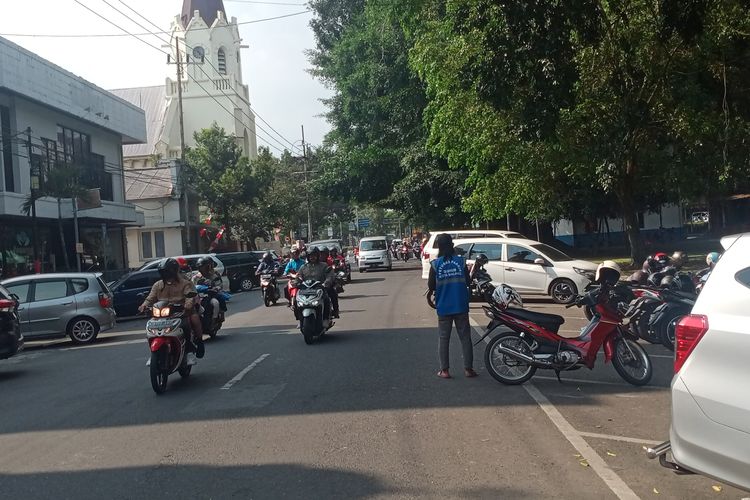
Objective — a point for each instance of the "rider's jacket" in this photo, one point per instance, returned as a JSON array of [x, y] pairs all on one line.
[[293, 265], [210, 281], [173, 291], [317, 271]]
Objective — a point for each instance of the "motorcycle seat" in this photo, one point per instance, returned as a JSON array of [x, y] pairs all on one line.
[[549, 322]]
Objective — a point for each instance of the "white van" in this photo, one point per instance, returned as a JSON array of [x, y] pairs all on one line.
[[430, 250], [373, 253]]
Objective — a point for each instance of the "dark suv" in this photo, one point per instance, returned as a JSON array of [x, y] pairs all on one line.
[[11, 340], [240, 269], [129, 291]]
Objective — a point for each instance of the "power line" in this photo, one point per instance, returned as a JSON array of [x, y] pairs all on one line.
[[120, 35], [209, 77]]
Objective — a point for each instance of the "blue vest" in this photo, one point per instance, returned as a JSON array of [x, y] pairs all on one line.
[[451, 293]]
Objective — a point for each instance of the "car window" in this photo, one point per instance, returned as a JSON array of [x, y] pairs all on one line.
[[20, 290], [79, 285], [553, 253], [102, 285], [493, 251], [463, 249], [743, 277], [372, 245], [4, 294], [140, 280], [229, 260], [521, 255], [50, 290]]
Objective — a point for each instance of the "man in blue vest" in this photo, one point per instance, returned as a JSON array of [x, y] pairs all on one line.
[[449, 278]]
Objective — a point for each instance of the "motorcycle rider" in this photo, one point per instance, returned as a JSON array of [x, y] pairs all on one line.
[[293, 266], [207, 276], [324, 255], [319, 271], [267, 265], [174, 287], [334, 259]]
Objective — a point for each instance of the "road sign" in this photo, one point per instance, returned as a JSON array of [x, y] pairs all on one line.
[[352, 226], [364, 222], [330, 232]]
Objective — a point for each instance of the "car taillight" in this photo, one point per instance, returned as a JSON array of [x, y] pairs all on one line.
[[689, 331], [105, 300], [6, 305]]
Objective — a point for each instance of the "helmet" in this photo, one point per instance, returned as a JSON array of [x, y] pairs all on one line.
[[334, 251], [183, 264], [679, 258], [169, 269], [504, 296], [661, 258], [295, 250], [481, 259], [314, 251], [638, 278], [712, 259], [608, 272], [205, 261], [267, 257], [668, 281], [323, 249]]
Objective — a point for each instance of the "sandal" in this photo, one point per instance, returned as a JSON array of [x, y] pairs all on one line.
[[470, 373], [444, 374]]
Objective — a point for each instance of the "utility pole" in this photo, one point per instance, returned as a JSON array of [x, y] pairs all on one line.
[[35, 178], [183, 175], [307, 186]]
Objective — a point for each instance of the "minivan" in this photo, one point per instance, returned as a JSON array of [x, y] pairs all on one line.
[[373, 254], [430, 250], [240, 269]]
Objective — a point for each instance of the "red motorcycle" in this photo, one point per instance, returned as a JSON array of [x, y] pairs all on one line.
[[533, 342], [404, 253]]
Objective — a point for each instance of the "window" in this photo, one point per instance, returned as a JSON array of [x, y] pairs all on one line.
[[49, 290], [142, 280], [462, 249], [79, 285], [20, 290], [372, 245], [222, 62], [743, 277], [159, 246], [493, 251], [146, 252], [522, 255], [553, 253], [7, 148], [74, 148]]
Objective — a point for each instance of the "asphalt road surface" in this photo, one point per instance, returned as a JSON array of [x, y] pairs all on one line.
[[359, 415]]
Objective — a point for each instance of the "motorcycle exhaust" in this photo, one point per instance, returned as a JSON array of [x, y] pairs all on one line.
[[526, 359]]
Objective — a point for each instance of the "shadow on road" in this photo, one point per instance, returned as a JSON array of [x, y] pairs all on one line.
[[359, 281]]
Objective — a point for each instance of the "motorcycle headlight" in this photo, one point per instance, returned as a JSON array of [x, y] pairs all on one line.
[[315, 303], [586, 273]]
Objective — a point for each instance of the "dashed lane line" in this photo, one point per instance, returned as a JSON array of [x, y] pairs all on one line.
[[575, 438], [244, 372]]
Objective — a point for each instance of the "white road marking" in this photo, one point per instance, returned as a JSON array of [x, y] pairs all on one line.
[[582, 381], [105, 344], [612, 437], [610, 478], [244, 372]]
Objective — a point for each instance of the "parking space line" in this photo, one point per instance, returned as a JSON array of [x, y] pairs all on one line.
[[582, 381], [105, 344], [244, 372], [612, 437], [597, 463]]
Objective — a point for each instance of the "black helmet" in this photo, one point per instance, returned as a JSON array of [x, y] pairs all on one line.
[[267, 257], [323, 249], [205, 261], [334, 251], [169, 269], [314, 251], [481, 259]]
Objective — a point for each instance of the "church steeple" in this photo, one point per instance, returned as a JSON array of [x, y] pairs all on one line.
[[207, 8]]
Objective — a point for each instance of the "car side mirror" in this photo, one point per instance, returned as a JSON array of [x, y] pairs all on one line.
[[540, 261]]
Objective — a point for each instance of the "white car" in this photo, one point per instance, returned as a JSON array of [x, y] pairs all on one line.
[[430, 250], [710, 431], [374, 253], [531, 267]]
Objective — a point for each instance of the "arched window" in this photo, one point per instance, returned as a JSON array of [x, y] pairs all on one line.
[[222, 62]]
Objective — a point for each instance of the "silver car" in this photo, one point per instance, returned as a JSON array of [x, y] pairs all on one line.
[[53, 305], [710, 431]]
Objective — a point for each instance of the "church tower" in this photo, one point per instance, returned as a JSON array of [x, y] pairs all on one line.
[[212, 86]]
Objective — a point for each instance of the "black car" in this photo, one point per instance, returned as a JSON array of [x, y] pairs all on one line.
[[128, 291], [11, 340], [240, 268]]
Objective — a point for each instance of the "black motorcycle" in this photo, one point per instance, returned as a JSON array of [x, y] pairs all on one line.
[[313, 310], [675, 304], [269, 288]]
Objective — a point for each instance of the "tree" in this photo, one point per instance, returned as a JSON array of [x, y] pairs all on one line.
[[61, 182], [221, 175]]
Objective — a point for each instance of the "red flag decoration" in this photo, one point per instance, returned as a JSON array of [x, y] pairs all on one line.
[[203, 232], [208, 219]]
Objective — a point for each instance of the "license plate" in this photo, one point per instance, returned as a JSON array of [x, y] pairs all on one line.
[[159, 323]]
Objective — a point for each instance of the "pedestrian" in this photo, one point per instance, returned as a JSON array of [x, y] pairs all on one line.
[[449, 279]]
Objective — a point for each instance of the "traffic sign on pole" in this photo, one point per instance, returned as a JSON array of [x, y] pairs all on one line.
[[364, 222]]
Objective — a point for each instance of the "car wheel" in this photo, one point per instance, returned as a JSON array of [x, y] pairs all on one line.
[[246, 284], [563, 291], [83, 330]]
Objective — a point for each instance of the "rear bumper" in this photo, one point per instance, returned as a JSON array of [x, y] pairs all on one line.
[[107, 320], [704, 446]]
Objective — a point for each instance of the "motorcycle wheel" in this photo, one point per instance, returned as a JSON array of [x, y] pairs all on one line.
[[267, 300], [431, 299], [667, 327], [158, 377], [184, 370], [308, 329], [504, 368], [632, 362], [588, 312]]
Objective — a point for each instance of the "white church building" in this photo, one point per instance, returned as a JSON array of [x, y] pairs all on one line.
[[210, 58]]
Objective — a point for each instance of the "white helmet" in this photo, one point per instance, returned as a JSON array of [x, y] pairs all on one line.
[[608, 272], [504, 296]]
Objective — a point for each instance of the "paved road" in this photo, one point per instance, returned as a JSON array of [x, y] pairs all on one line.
[[359, 415]]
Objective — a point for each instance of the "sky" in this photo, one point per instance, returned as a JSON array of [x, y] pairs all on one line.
[[275, 66]]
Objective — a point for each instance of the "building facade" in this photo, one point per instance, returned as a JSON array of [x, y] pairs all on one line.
[[50, 121], [207, 47]]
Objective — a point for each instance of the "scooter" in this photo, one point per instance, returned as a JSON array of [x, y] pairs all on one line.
[[404, 253], [313, 310], [532, 342], [211, 324], [168, 332], [269, 289], [664, 319]]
